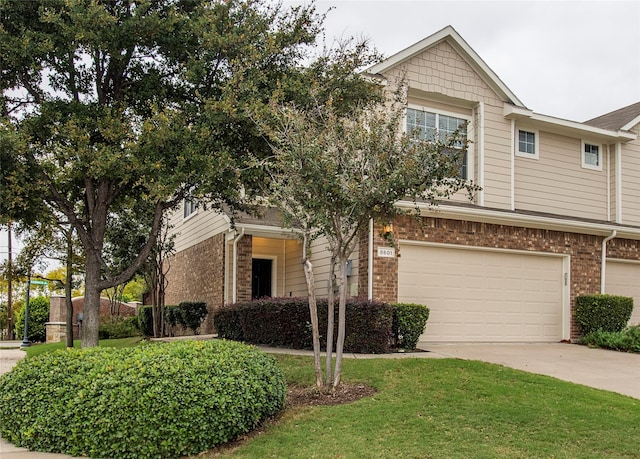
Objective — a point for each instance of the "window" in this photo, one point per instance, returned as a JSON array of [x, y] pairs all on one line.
[[429, 125], [591, 158], [190, 207], [527, 144]]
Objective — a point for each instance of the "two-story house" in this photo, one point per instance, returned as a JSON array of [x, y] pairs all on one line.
[[558, 216]]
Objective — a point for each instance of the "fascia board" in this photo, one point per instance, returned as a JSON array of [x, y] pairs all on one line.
[[277, 232], [560, 126], [514, 219], [631, 124]]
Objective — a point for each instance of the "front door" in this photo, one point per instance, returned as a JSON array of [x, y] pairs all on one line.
[[261, 278]]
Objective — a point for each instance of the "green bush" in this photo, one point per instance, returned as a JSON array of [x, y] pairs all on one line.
[[286, 322], [191, 314], [609, 313], [118, 327], [38, 317], [145, 320], [627, 340], [409, 321], [148, 401]]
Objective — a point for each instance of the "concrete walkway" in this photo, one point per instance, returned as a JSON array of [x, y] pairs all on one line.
[[608, 370]]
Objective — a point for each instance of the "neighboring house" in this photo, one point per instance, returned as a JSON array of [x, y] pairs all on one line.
[[558, 217]]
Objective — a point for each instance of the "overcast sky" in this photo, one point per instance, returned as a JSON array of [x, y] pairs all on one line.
[[570, 59]]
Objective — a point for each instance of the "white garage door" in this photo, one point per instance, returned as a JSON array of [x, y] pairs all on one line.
[[623, 278], [480, 295]]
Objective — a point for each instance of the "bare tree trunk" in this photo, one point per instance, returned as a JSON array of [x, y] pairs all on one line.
[[68, 288], [342, 307], [313, 309], [330, 322], [91, 309]]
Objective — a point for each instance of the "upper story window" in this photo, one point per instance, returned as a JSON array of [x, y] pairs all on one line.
[[591, 156], [431, 124], [528, 144], [190, 207]]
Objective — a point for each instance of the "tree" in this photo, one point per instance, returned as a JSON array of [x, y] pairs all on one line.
[[109, 103], [334, 170]]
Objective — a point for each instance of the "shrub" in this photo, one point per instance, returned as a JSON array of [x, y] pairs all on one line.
[[191, 314], [286, 322], [627, 340], [609, 313], [118, 327], [149, 401], [409, 321], [38, 317], [145, 319]]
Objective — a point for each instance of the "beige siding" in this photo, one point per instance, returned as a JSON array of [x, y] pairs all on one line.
[[295, 283], [611, 162], [631, 181], [196, 228], [497, 158], [556, 182]]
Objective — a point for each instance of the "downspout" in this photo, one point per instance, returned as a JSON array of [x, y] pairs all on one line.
[[481, 153], [604, 259], [513, 164], [235, 266], [370, 263]]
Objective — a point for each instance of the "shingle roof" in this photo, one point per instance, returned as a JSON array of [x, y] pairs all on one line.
[[617, 119]]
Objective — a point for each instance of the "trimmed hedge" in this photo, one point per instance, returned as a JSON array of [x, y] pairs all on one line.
[[409, 321], [119, 327], [608, 313], [148, 401], [188, 314], [286, 322]]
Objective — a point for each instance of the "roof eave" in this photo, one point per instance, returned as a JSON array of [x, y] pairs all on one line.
[[566, 126]]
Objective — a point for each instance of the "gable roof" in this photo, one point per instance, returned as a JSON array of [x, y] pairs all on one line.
[[624, 118], [465, 51]]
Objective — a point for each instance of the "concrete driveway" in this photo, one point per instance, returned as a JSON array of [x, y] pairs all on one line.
[[602, 369]]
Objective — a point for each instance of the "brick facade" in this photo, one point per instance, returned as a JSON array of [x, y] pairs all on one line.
[[585, 251], [245, 267], [197, 274]]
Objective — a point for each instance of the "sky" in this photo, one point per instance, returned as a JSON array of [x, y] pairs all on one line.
[[570, 59]]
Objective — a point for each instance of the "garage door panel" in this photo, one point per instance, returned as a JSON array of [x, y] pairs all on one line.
[[479, 295], [623, 278]]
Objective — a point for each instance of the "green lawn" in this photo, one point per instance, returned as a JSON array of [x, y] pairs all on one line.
[[38, 349], [432, 408]]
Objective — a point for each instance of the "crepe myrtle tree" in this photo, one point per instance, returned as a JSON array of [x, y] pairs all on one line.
[[336, 169], [105, 103]]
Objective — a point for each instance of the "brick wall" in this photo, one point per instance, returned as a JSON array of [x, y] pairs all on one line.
[[197, 274], [584, 250], [245, 267]]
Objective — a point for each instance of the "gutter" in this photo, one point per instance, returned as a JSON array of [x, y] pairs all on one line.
[[604, 260], [235, 266]]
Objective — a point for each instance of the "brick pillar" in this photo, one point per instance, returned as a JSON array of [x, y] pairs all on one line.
[[56, 327], [245, 253], [385, 269]]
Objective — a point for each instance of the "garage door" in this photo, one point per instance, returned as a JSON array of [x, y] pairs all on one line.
[[624, 279], [480, 295]]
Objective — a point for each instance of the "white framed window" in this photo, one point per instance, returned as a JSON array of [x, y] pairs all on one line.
[[591, 156], [528, 144], [190, 207], [430, 124]]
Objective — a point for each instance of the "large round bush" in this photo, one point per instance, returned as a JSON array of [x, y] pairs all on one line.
[[149, 401]]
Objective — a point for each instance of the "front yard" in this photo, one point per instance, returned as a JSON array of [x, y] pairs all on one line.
[[428, 408]]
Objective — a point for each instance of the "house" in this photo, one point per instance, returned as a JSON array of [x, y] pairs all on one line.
[[558, 216]]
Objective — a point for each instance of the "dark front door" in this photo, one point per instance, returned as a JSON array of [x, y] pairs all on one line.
[[261, 278]]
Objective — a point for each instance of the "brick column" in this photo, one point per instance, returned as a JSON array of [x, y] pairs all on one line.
[[245, 256], [56, 327]]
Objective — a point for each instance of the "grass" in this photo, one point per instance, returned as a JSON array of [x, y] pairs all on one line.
[[433, 408], [443, 408], [38, 349]]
